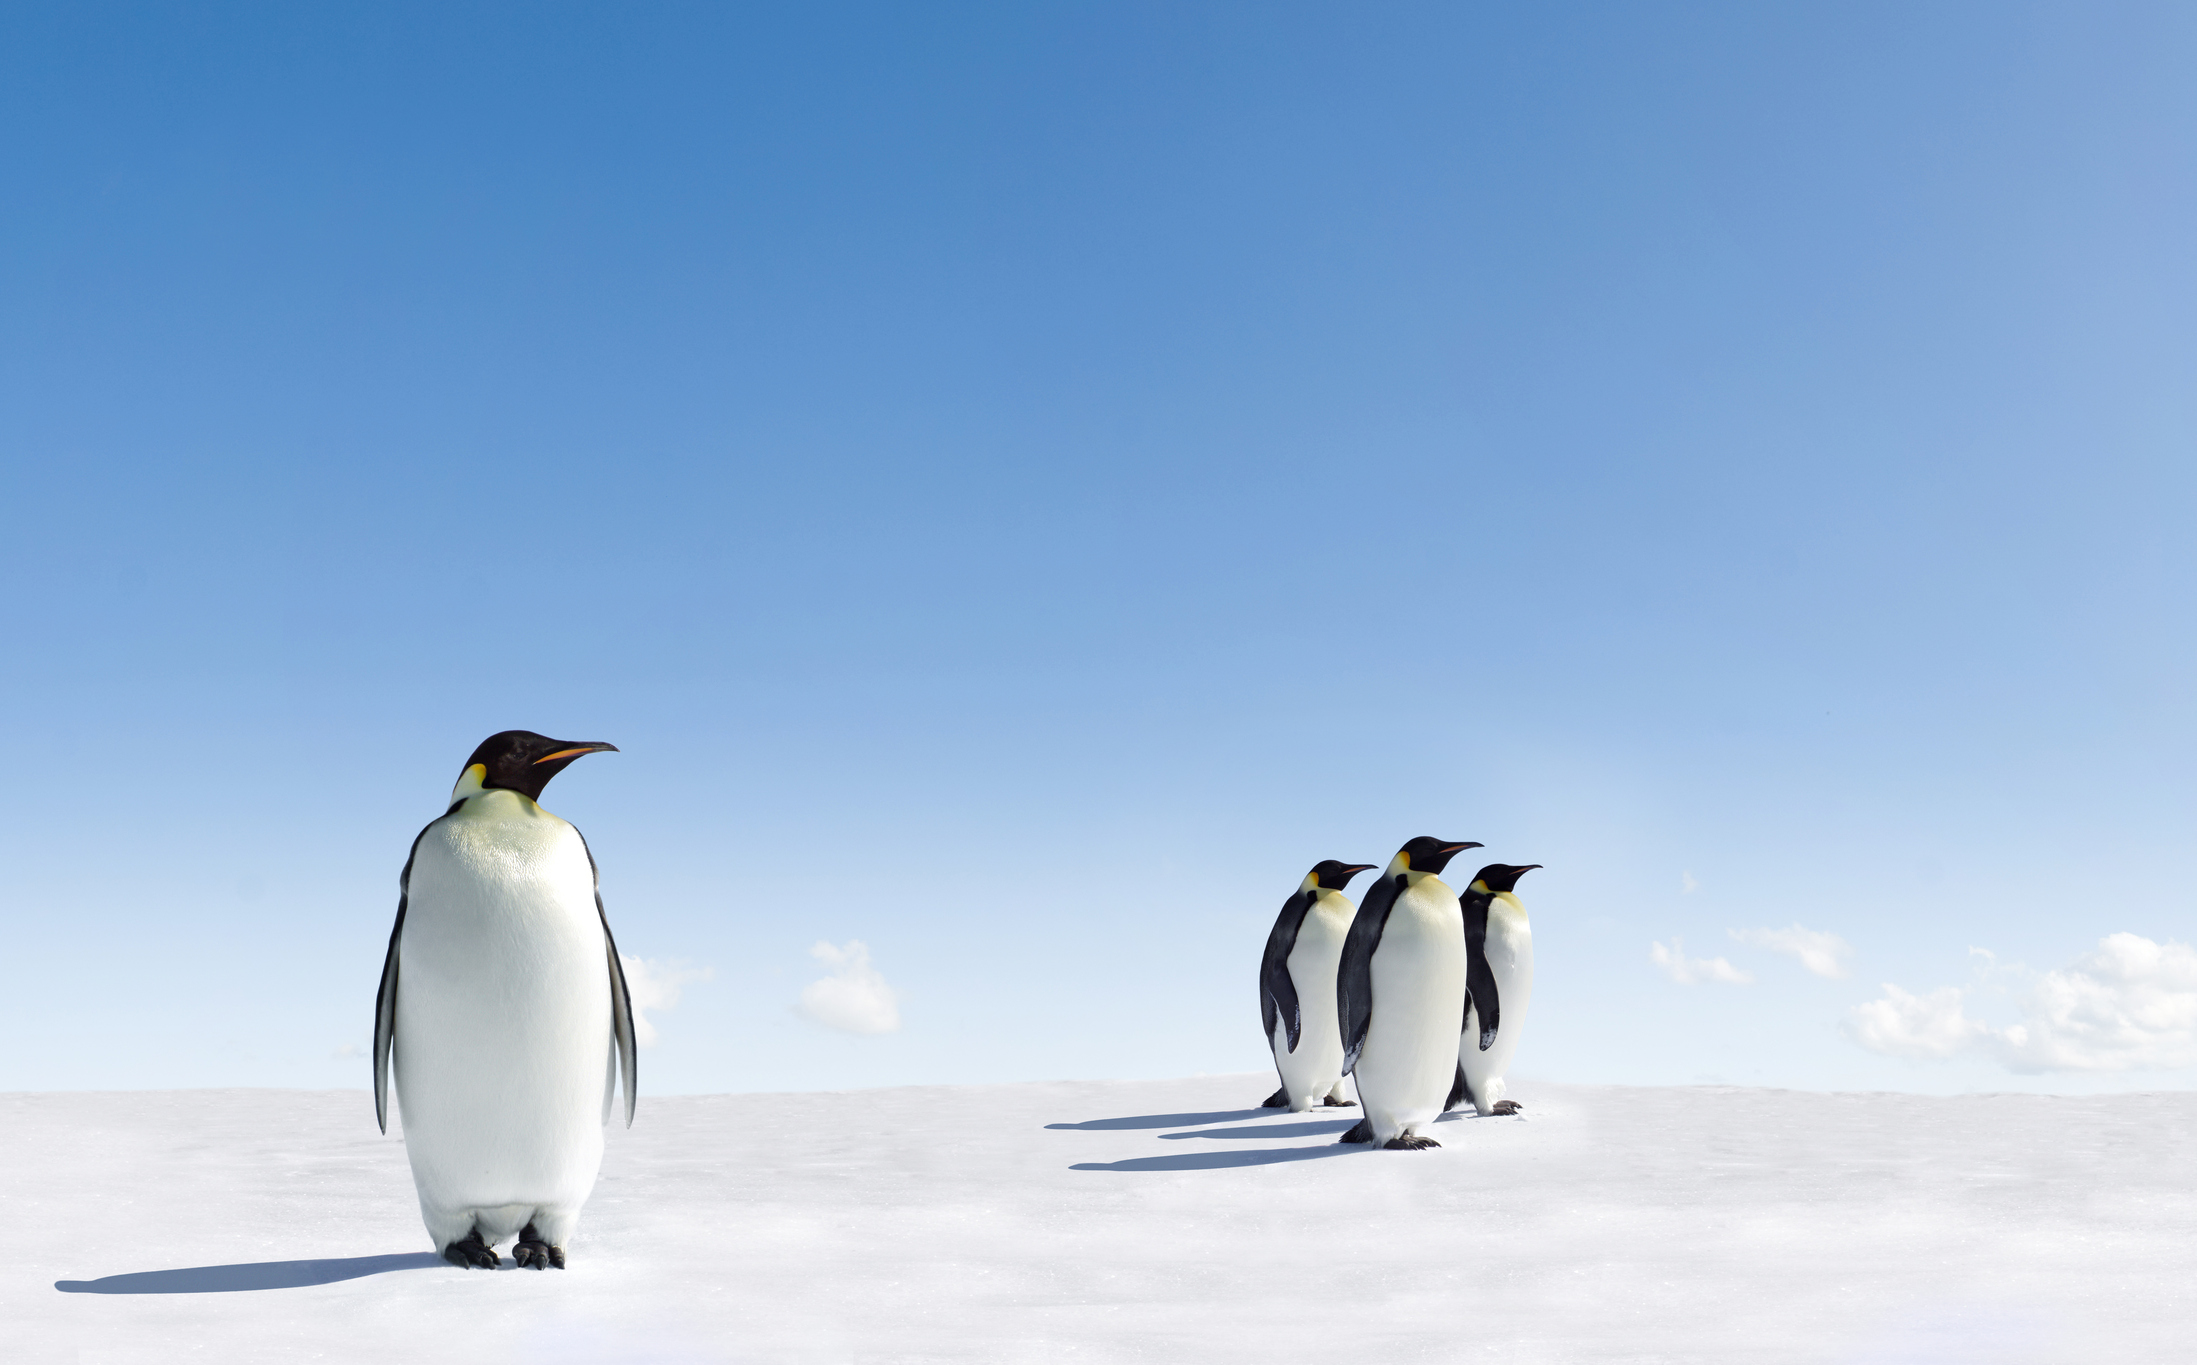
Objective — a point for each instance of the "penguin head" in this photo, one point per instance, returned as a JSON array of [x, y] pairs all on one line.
[[1329, 875], [1424, 856], [520, 761], [1500, 878]]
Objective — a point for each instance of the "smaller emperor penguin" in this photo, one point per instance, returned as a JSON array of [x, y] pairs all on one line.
[[1400, 985], [1297, 988], [503, 1007], [1498, 984]]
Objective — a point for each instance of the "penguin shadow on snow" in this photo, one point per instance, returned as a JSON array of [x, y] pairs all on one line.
[[1215, 1161], [232, 1279], [1158, 1121]]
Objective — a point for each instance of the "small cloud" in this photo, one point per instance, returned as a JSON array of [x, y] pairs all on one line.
[[854, 998], [1823, 953], [1687, 971], [654, 985], [2131, 1005], [1925, 1027], [347, 1052], [1686, 883]]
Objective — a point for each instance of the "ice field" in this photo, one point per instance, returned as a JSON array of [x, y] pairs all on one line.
[[1130, 1221]]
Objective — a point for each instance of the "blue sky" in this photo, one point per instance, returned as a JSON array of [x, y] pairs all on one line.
[[1020, 484]]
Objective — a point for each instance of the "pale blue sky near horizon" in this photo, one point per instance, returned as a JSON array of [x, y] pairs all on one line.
[[1021, 483]]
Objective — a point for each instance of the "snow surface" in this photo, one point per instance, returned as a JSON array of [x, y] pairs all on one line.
[[1129, 1221]]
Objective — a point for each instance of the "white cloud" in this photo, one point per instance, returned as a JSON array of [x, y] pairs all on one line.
[[1686, 971], [1922, 1026], [1687, 884], [1823, 953], [2129, 1006], [854, 997], [654, 985]]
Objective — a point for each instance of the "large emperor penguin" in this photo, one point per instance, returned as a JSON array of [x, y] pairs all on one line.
[[504, 1009], [1297, 988], [1499, 985], [1400, 986]]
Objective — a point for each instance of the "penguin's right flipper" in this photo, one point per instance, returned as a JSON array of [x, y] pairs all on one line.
[[385, 1022], [1278, 1100], [1354, 974], [1277, 989], [1479, 976], [385, 998], [1361, 1131]]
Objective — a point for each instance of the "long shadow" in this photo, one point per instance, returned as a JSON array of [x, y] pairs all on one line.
[[1273, 1130], [1216, 1161], [231, 1279], [1162, 1120]]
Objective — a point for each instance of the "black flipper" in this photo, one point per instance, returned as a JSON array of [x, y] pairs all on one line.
[[1460, 1092], [385, 997], [1361, 1131], [1277, 989], [1278, 1100], [1354, 977], [621, 1004], [1479, 976]]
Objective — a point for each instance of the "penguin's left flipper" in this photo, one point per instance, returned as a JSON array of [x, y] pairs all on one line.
[[532, 1250], [1506, 1107], [1409, 1142]]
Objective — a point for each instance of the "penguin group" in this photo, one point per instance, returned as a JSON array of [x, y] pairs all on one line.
[[1419, 994], [504, 1019]]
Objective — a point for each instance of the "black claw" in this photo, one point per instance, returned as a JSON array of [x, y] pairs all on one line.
[[1409, 1144], [471, 1253], [532, 1250], [1506, 1107], [1333, 1103]]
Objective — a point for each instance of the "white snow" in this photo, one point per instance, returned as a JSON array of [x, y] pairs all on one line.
[[1129, 1221]]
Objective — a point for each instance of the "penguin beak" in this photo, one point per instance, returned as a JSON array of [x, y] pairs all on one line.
[[1458, 848], [1355, 868], [576, 750]]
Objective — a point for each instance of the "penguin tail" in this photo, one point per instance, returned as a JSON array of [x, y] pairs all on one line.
[[1361, 1131], [1278, 1100]]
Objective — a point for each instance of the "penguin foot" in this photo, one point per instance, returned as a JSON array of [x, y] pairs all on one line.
[[1409, 1142], [471, 1253], [1361, 1131], [1278, 1100], [1506, 1107], [1333, 1103], [532, 1250]]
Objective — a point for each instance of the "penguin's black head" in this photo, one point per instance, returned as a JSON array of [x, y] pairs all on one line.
[[1429, 854], [522, 761], [1501, 876], [1334, 876]]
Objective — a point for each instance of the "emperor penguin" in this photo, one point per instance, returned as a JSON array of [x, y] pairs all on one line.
[[1400, 984], [1297, 988], [1498, 983], [504, 1010]]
